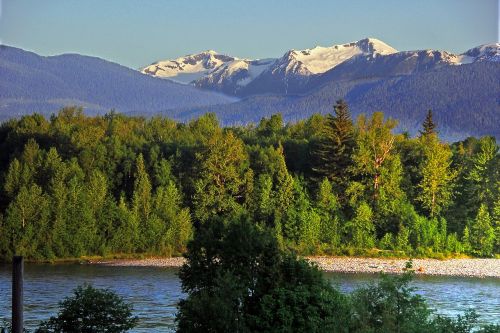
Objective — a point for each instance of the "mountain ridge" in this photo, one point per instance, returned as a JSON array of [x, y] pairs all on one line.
[[33, 83], [296, 70], [403, 84]]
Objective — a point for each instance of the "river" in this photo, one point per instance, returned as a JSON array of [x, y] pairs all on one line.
[[155, 291]]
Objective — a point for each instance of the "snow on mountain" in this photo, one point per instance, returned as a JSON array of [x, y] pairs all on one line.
[[293, 72], [300, 70], [321, 59], [188, 68], [231, 76], [33, 83], [486, 52], [209, 67]]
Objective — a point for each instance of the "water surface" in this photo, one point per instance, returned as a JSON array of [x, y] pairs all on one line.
[[155, 291]]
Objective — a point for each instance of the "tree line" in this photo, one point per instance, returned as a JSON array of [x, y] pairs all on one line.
[[74, 185]]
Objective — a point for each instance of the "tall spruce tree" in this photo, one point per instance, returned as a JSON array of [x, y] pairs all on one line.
[[428, 126], [332, 154]]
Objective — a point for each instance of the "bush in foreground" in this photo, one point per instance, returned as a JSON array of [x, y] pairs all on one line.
[[91, 310], [238, 280]]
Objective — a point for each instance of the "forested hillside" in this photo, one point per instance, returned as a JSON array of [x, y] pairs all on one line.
[[464, 100], [33, 83], [76, 185]]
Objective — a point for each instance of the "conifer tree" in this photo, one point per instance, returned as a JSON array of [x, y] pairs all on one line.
[[142, 190], [141, 204], [482, 169], [332, 154], [429, 126]]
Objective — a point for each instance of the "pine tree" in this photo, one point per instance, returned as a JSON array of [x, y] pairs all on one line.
[[141, 204], [332, 154], [429, 126], [142, 190]]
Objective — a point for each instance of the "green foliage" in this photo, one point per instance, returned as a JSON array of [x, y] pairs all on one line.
[[328, 209], [237, 280], [428, 126], [482, 234], [333, 152], [375, 148], [436, 186], [220, 185], [387, 242], [26, 223], [91, 310], [482, 171], [83, 186], [361, 227], [390, 306]]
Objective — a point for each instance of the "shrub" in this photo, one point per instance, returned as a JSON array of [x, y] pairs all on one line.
[[91, 310]]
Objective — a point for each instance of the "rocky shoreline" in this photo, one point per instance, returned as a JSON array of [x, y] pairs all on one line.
[[450, 267]]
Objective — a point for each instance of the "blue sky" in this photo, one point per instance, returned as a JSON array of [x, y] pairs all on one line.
[[136, 33]]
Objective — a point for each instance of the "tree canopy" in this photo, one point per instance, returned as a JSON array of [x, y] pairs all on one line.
[[74, 185]]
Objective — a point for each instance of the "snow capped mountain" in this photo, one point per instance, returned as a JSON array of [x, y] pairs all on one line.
[[298, 71], [188, 68], [321, 59], [232, 76], [292, 72], [486, 52], [225, 73]]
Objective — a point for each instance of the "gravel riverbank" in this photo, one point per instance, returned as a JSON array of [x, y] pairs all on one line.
[[450, 267]]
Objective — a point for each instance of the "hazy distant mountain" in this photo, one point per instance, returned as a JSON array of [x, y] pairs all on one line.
[[463, 90], [465, 101], [32, 83]]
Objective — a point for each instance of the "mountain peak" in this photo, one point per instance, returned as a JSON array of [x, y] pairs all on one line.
[[207, 52], [188, 68], [488, 52], [321, 59], [374, 45]]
